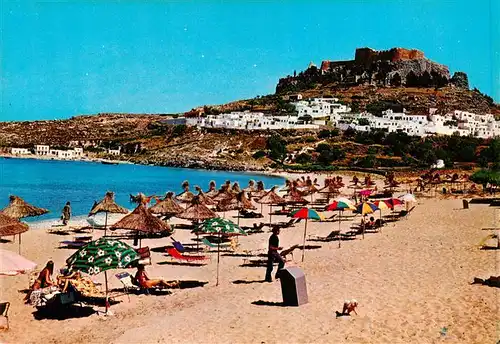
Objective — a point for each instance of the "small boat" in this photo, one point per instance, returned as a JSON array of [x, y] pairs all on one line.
[[109, 162]]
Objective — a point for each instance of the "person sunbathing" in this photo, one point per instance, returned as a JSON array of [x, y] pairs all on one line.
[[64, 279], [145, 282], [44, 279]]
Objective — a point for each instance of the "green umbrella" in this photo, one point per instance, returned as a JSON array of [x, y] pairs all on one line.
[[102, 255], [219, 226]]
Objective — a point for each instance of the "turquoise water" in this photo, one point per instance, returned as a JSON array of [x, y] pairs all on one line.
[[50, 183]]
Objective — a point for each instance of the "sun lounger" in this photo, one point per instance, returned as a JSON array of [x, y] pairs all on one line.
[[349, 235], [172, 252], [334, 235], [178, 246]]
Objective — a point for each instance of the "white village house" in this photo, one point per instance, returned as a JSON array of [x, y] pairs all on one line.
[[19, 151]]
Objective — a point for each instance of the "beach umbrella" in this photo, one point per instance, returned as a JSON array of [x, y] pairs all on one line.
[[167, 206], [381, 204], [197, 211], [391, 202], [141, 220], [220, 227], [271, 198], [340, 206], [107, 205], [305, 213], [239, 203], [102, 255], [408, 198], [17, 209], [204, 198], [212, 190], [141, 198], [366, 208], [250, 187], [12, 264], [11, 226], [185, 196]]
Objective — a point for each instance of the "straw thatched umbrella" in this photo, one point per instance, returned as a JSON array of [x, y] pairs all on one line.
[[212, 189], [167, 207], [11, 226], [250, 187], [261, 191], [185, 196], [18, 209], [141, 220], [197, 211], [236, 188], [203, 198], [107, 205], [271, 198], [239, 203]]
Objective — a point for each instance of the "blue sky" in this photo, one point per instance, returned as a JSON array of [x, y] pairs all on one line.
[[60, 59]]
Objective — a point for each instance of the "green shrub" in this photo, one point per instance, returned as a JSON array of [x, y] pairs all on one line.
[[259, 154]]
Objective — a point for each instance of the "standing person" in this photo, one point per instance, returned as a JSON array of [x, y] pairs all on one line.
[[273, 255], [66, 213]]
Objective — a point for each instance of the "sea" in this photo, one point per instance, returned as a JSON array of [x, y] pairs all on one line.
[[51, 183]]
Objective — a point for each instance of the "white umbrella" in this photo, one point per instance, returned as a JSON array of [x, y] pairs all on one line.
[[408, 198], [12, 264]]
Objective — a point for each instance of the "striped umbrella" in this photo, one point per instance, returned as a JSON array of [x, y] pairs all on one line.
[[366, 208], [340, 206], [219, 226], [306, 213], [392, 202]]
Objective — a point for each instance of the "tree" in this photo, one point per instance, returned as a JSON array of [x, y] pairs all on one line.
[[277, 147], [303, 158], [396, 80], [412, 80]]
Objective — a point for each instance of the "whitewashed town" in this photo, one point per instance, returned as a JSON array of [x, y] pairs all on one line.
[[316, 112]]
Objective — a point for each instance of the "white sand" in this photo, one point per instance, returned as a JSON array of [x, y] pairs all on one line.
[[411, 280]]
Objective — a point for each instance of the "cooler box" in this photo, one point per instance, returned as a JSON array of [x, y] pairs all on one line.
[[293, 286]]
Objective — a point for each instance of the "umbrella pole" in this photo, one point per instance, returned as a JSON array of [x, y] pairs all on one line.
[[340, 220], [106, 281], [19, 243], [270, 211], [304, 241], [105, 223], [380, 217], [363, 229], [218, 258]]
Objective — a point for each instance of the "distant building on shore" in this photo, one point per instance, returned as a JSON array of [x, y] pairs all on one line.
[[20, 151], [114, 151], [42, 149]]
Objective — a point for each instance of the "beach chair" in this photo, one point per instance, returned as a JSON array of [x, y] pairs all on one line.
[[4, 314], [172, 252], [127, 281], [334, 235], [178, 246]]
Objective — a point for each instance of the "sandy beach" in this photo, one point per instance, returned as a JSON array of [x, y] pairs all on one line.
[[412, 281]]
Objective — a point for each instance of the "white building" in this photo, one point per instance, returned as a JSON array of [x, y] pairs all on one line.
[[77, 152], [19, 151], [115, 151], [42, 150], [321, 110], [249, 121], [62, 154]]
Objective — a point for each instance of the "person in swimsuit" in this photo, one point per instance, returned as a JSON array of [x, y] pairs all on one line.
[[145, 282], [44, 279], [273, 255]]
